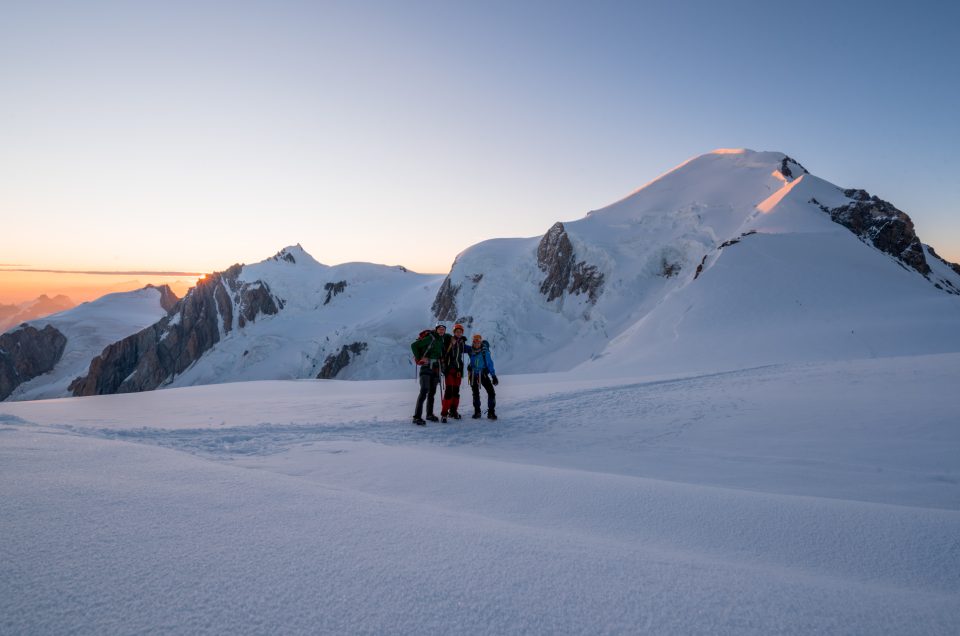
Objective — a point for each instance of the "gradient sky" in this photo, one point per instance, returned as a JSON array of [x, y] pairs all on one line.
[[189, 136]]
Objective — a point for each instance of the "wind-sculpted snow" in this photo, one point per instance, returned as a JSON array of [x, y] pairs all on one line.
[[786, 499]]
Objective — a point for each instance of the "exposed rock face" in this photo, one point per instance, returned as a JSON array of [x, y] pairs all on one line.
[[333, 289], [445, 304], [168, 299], [334, 364], [882, 225], [154, 355], [791, 169], [26, 353], [736, 240], [556, 258], [284, 255]]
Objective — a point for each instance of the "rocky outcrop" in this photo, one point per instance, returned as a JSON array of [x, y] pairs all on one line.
[[791, 169], [556, 258], [586, 279], [444, 306], [703, 261], [285, 255], [882, 225], [669, 269], [26, 353], [154, 355], [333, 289], [734, 241], [335, 363], [168, 299]]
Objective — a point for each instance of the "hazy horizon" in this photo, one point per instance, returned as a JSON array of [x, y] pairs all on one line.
[[184, 137]]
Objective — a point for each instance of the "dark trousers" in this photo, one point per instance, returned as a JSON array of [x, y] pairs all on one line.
[[475, 383], [429, 379]]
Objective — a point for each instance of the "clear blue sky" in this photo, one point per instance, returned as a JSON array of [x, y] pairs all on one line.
[[190, 135]]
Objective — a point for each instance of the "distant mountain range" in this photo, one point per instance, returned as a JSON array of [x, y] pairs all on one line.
[[734, 258], [13, 315]]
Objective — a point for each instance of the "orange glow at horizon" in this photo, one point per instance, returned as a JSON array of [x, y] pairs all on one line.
[[18, 287]]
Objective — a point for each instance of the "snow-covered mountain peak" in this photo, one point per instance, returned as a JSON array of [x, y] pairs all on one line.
[[294, 255], [722, 180], [615, 270]]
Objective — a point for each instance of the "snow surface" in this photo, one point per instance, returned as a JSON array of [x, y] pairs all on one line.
[[801, 498], [89, 328]]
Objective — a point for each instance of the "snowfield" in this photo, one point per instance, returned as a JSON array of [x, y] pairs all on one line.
[[791, 498], [740, 416]]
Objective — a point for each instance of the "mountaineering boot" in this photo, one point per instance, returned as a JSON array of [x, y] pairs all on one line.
[[476, 414], [455, 415], [419, 421], [491, 414], [432, 418], [443, 418]]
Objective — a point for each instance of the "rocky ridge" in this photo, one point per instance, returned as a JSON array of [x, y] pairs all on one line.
[[879, 223], [26, 353], [145, 360]]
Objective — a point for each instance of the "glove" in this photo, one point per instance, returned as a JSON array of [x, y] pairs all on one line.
[[495, 381]]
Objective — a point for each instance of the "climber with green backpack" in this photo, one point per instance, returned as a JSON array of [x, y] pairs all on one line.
[[427, 352]]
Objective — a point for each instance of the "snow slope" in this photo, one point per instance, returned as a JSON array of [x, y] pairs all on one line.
[[89, 327], [786, 499], [729, 259]]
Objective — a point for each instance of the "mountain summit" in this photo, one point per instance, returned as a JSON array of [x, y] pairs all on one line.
[[734, 258]]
